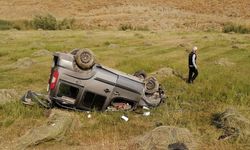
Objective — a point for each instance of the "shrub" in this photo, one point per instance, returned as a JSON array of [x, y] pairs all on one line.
[[231, 27], [47, 22], [16, 24], [125, 27], [5, 25]]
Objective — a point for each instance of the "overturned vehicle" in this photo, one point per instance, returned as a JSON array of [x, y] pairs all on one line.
[[77, 82]]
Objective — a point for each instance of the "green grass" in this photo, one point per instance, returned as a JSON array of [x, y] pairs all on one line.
[[44, 22], [190, 106]]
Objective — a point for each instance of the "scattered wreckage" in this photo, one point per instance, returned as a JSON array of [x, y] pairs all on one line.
[[78, 82]]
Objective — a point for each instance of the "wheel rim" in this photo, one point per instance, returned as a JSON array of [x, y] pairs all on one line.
[[85, 57]]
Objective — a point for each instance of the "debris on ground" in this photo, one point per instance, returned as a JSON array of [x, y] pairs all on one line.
[[145, 108], [224, 62], [147, 113], [23, 63], [58, 124], [124, 117], [234, 125], [6, 95], [89, 116], [166, 137], [42, 52], [32, 98]]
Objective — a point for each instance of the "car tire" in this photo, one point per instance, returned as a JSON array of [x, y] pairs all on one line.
[[85, 59], [151, 84], [140, 74]]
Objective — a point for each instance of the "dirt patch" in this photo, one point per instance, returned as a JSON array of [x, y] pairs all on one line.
[[6, 95], [163, 72], [168, 72], [113, 46], [224, 62], [234, 125], [42, 52], [166, 137], [23, 63], [58, 124]]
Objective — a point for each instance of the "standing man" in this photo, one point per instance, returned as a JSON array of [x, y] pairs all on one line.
[[193, 70]]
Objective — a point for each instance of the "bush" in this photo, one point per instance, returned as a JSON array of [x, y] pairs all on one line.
[[230, 27], [5, 25], [47, 22], [16, 24], [125, 27]]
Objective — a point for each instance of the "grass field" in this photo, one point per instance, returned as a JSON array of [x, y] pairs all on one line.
[[191, 106]]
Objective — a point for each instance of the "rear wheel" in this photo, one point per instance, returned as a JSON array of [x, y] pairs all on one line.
[[84, 58]]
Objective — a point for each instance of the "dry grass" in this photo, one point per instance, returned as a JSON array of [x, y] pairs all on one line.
[[75, 8], [155, 14]]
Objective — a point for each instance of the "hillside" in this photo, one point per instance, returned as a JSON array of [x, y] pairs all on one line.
[[155, 14]]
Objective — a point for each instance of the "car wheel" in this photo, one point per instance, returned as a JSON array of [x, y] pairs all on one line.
[[85, 58], [151, 84], [140, 74]]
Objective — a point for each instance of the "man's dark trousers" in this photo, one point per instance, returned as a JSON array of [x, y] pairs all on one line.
[[193, 73]]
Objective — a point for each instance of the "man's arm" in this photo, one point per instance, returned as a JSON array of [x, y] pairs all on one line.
[[193, 61]]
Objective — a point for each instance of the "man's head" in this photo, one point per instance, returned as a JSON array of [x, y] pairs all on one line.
[[194, 49]]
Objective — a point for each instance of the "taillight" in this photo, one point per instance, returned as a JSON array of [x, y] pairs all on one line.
[[54, 80]]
